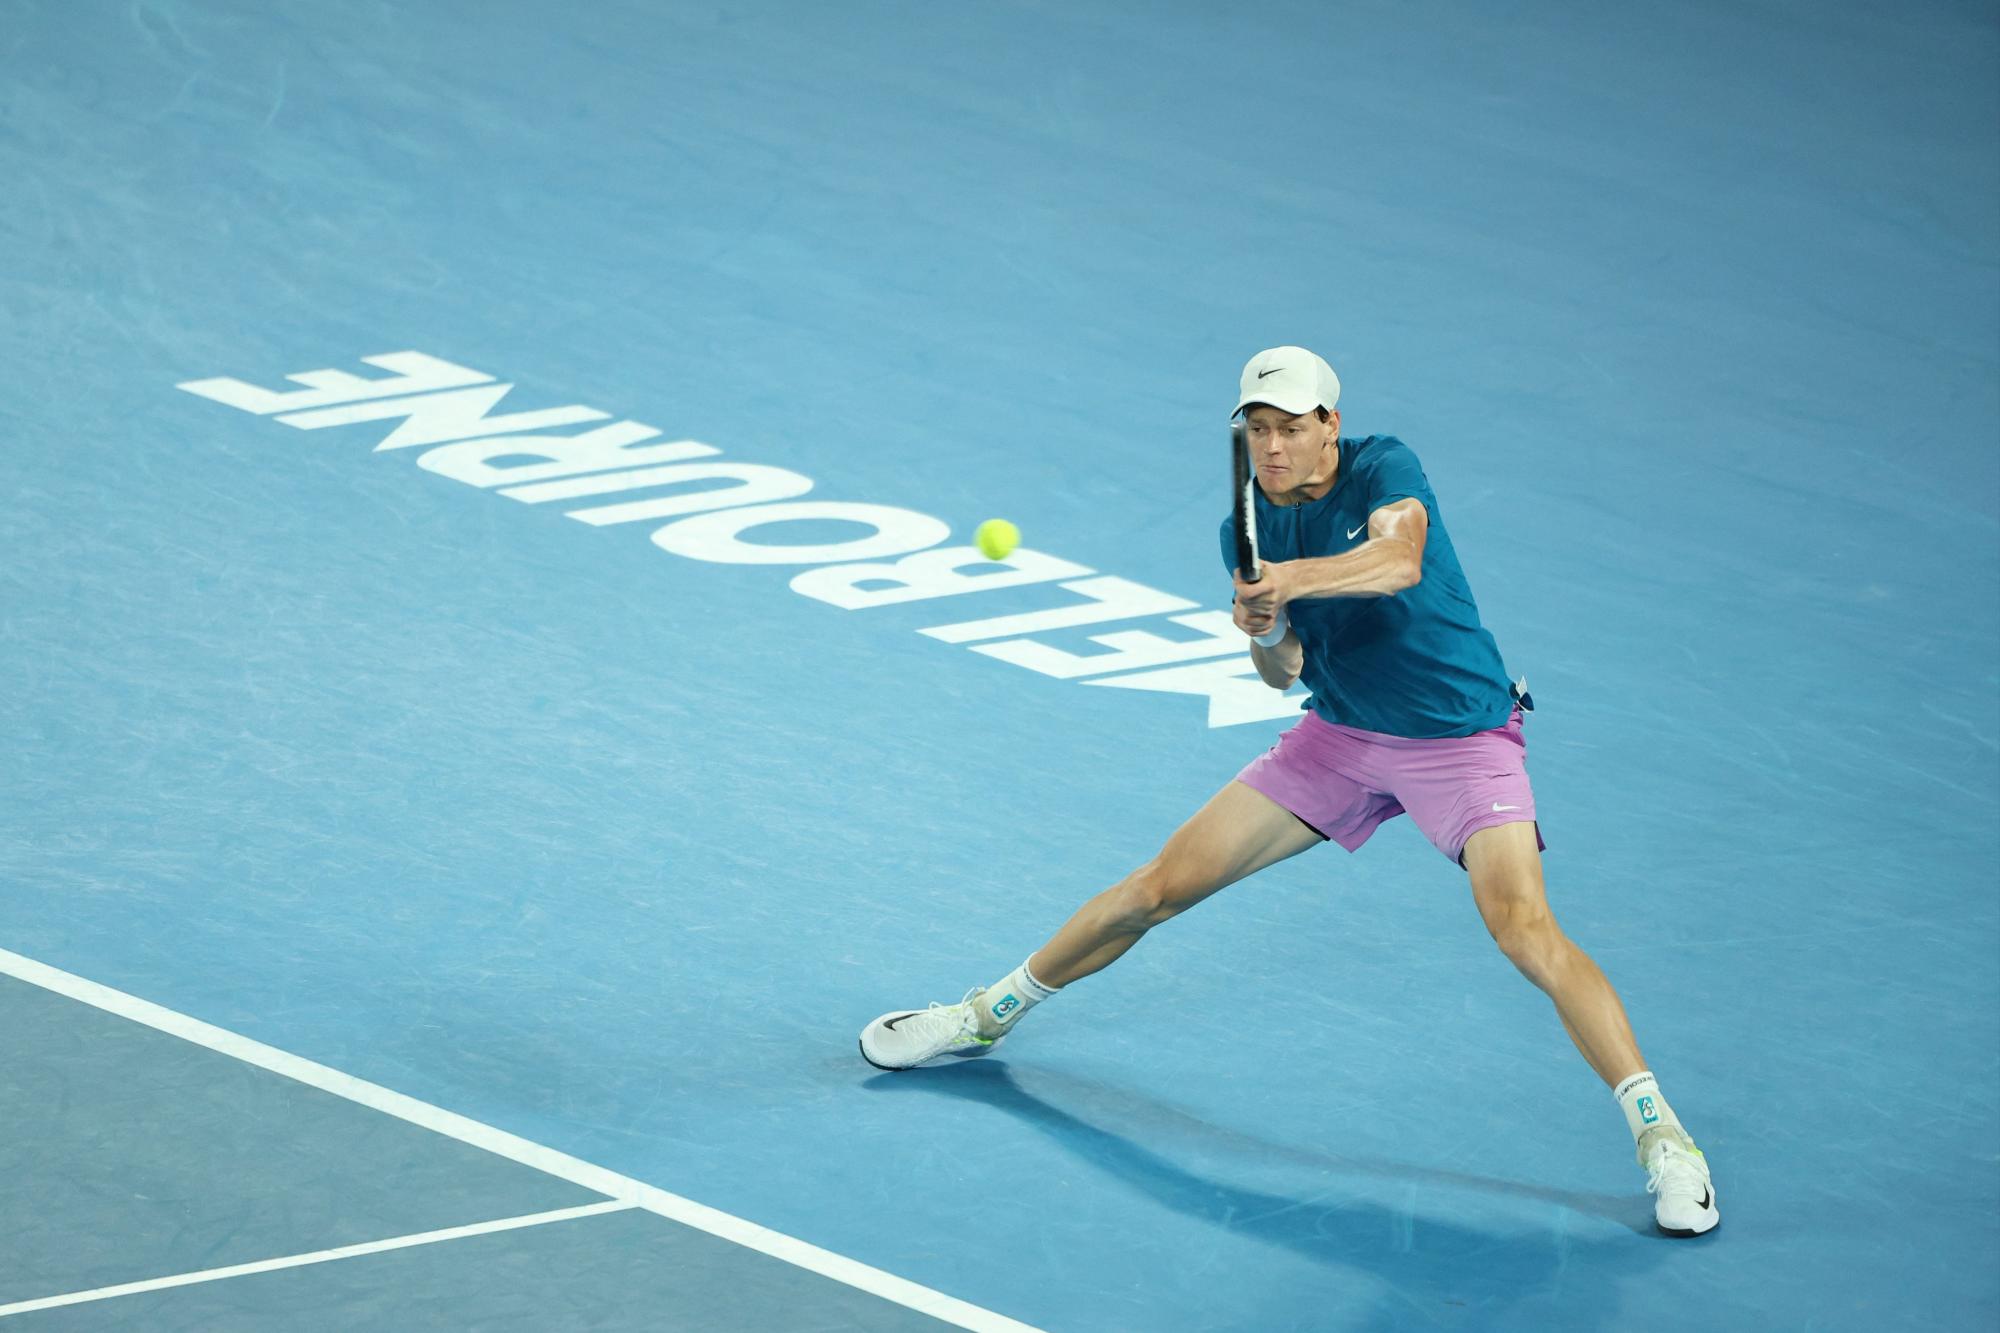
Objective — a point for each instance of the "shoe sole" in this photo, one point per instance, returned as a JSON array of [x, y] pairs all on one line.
[[1679, 1234]]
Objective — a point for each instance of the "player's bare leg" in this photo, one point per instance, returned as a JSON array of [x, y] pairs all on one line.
[[1237, 833], [1506, 869]]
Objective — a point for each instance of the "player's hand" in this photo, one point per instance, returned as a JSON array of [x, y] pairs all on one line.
[[1258, 604]]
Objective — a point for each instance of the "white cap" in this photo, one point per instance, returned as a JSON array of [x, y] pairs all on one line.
[[1290, 379]]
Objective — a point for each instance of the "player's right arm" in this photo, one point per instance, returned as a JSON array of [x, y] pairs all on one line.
[[1255, 613], [1279, 666]]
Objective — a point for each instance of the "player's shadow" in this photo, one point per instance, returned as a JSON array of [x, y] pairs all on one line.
[[1432, 1260]]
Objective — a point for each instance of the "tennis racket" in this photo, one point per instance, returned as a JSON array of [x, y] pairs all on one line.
[[1245, 510], [1243, 515]]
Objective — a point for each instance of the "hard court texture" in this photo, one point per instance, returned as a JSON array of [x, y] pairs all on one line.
[[613, 839]]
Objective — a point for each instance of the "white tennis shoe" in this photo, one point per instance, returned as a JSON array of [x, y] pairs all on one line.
[[912, 1037], [1677, 1178]]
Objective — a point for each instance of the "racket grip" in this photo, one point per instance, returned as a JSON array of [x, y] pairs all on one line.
[[1275, 635]]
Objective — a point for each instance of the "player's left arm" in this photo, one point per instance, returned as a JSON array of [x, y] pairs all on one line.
[[1391, 560]]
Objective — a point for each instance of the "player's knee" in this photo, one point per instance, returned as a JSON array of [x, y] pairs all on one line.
[[1151, 894], [1528, 935]]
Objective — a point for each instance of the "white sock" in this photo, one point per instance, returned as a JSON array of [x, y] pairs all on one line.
[[1645, 1109], [1007, 999]]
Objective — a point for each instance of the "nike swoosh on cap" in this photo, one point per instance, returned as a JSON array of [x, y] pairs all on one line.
[[1272, 371]]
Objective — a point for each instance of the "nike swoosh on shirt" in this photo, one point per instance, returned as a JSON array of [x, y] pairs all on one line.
[[1350, 535], [1498, 806]]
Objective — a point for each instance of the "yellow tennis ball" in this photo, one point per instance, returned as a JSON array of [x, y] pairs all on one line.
[[996, 537]]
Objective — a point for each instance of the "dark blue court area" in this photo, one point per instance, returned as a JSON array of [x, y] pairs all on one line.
[[497, 693]]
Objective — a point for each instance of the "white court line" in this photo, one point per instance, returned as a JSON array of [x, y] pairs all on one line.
[[516, 1149], [317, 1256]]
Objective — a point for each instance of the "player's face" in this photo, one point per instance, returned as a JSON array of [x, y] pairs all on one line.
[[1291, 453]]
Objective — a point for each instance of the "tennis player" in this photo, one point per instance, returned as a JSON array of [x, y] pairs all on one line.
[[1411, 713]]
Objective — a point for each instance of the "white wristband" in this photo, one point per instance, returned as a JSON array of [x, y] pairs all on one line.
[[1275, 635]]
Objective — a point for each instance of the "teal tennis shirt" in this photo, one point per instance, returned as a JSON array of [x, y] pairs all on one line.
[[1417, 664]]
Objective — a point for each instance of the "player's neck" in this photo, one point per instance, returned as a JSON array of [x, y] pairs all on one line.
[[1315, 486]]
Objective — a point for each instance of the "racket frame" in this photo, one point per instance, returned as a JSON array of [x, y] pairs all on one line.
[[1243, 511]]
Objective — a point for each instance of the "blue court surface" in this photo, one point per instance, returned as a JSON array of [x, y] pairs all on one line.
[[496, 693]]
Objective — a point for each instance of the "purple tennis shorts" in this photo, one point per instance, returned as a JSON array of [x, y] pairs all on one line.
[[1342, 781]]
